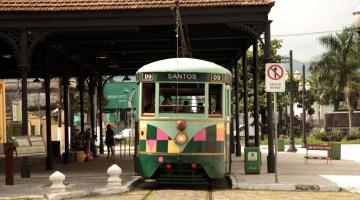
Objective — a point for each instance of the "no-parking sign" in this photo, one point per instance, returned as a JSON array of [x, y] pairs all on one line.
[[275, 77]]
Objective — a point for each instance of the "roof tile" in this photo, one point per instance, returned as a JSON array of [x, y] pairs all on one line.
[[94, 5]]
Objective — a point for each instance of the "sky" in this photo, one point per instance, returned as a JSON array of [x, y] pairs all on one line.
[[308, 16]]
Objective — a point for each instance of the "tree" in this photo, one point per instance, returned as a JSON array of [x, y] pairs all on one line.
[[332, 71], [275, 46]]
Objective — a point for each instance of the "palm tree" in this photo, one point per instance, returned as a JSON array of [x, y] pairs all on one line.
[[332, 71]]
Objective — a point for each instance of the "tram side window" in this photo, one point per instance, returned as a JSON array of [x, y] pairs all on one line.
[[182, 98], [148, 98], [215, 97]]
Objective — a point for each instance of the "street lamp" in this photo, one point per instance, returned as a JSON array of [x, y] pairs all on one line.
[[292, 147], [130, 99], [303, 87]]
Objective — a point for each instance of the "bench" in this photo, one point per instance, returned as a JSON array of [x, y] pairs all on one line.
[[29, 146], [319, 147]]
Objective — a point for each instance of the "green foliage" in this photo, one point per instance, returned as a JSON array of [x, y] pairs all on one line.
[[318, 134], [334, 73], [335, 135], [353, 134]]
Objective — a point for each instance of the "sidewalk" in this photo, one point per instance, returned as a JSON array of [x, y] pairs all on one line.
[[294, 174], [85, 176]]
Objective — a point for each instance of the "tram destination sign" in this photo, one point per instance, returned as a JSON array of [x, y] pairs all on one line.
[[275, 77], [185, 77], [181, 76]]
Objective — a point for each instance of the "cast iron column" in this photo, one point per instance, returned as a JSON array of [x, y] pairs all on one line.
[[256, 92], [238, 145], [269, 104], [49, 161], [81, 91], [100, 107], [65, 82], [91, 97], [245, 97], [24, 67]]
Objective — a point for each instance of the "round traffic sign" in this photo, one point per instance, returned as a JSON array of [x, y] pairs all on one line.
[[275, 72]]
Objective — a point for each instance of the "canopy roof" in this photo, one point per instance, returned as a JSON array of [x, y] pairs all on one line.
[[97, 5], [117, 37]]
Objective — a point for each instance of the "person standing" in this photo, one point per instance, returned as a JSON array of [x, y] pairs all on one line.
[[109, 141]]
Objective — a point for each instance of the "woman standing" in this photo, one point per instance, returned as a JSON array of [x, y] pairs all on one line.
[[109, 141]]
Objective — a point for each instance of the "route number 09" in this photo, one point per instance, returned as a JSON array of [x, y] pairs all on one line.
[[216, 77], [148, 76]]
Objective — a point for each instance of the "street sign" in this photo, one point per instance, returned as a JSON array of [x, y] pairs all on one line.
[[275, 77]]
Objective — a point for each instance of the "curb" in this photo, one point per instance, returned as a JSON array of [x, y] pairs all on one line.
[[285, 187], [97, 192]]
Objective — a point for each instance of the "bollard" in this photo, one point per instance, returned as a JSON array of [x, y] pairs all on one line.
[[25, 167], [57, 179], [9, 157], [114, 171]]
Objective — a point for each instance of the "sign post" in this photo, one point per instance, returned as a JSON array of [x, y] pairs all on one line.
[[275, 82]]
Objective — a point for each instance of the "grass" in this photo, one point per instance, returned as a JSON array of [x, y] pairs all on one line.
[[312, 140]]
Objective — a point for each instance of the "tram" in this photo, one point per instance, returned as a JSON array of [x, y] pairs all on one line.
[[183, 120]]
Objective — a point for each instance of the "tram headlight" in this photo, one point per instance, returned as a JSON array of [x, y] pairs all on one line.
[[181, 125], [181, 138]]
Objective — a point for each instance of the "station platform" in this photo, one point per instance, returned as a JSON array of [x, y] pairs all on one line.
[[293, 174]]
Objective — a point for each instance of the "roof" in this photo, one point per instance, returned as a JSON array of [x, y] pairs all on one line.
[[190, 65], [98, 5]]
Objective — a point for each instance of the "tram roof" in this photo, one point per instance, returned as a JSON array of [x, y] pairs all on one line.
[[183, 65]]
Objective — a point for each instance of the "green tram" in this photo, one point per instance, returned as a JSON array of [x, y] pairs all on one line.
[[183, 120]]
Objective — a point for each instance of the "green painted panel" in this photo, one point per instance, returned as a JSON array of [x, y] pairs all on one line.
[[220, 147], [142, 145], [151, 132], [211, 133], [162, 146]]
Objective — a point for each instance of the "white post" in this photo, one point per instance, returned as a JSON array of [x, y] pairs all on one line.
[[114, 180], [57, 179], [276, 137]]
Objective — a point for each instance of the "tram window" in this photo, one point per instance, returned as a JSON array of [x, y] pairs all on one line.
[[148, 99], [215, 96], [182, 98]]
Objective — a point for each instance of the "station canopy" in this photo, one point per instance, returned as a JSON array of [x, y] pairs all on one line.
[[117, 37]]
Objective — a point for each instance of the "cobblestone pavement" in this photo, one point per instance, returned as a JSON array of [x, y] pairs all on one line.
[[229, 195]]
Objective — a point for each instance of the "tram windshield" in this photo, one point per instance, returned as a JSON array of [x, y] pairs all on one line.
[[182, 98]]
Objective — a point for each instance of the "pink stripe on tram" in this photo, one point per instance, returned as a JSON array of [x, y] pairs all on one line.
[[161, 135], [201, 135]]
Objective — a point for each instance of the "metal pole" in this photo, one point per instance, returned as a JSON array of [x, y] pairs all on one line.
[[275, 132], [270, 157], [256, 92], [292, 147], [65, 80], [237, 142], [303, 107], [245, 85], [49, 154]]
